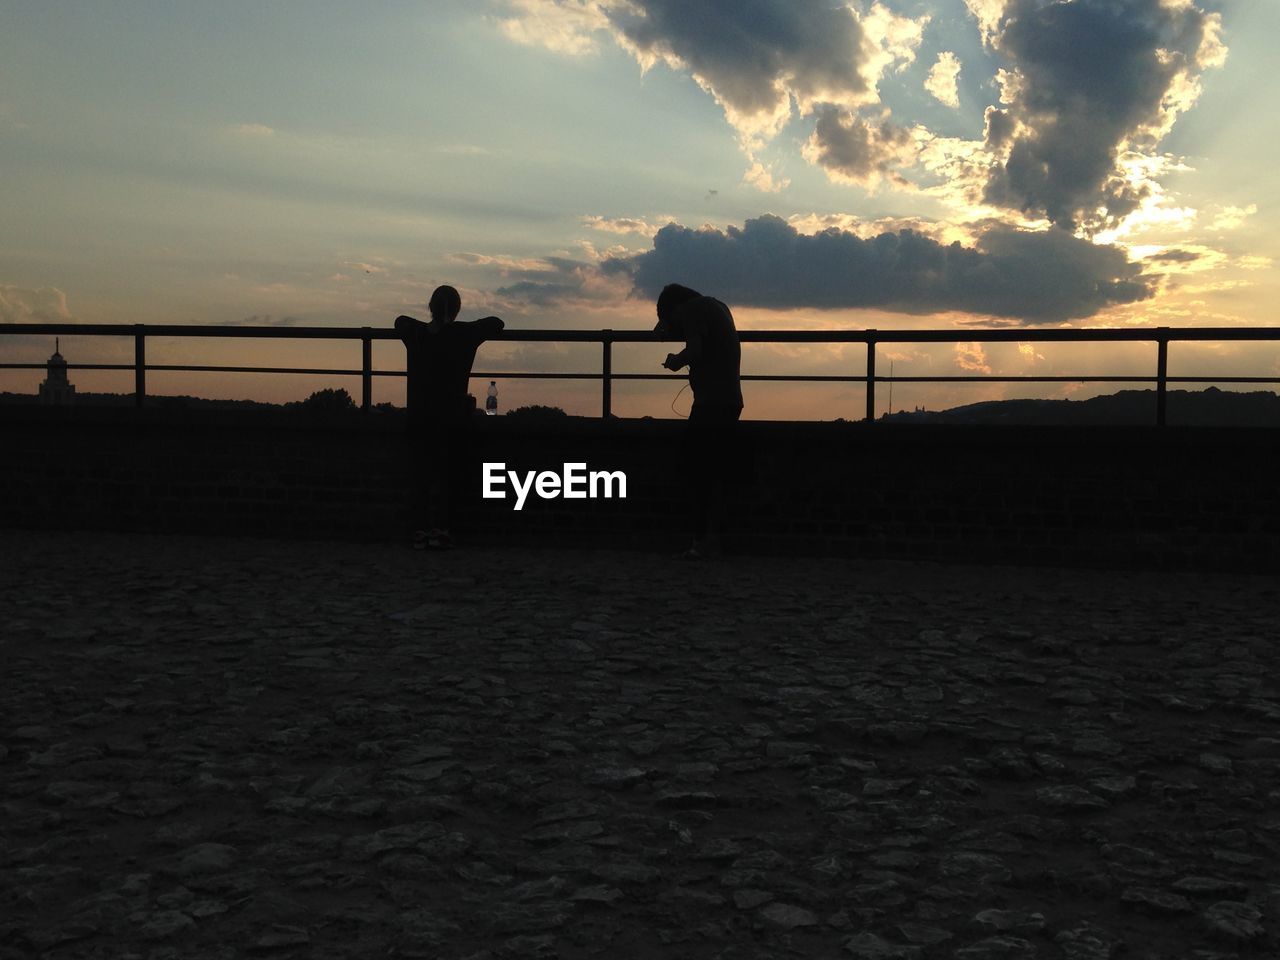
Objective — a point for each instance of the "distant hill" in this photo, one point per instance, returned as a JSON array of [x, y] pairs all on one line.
[[336, 402], [126, 400], [1209, 407]]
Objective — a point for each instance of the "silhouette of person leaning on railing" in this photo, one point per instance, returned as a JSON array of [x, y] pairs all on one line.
[[713, 355], [439, 359]]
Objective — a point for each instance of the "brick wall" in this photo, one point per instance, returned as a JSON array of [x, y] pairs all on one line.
[[1185, 497]]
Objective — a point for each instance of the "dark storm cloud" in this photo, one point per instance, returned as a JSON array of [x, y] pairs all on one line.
[[764, 61], [1042, 277], [545, 292], [552, 281], [851, 148], [752, 53], [1034, 277], [1089, 75], [999, 128]]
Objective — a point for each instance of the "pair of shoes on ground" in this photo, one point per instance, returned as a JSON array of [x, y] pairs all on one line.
[[433, 539]]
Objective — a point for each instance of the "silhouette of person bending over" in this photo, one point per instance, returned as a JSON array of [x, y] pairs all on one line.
[[713, 355], [440, 355]]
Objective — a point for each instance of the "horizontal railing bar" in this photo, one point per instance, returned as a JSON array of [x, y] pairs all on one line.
[[526, 376], [1144, 334], [1161, 336], [208, 369], [70, 366], [811, 378], [987, 335], [797, 378], [186, 368], [178, 330], [1017, 379], [182, 330], [1222, 379]]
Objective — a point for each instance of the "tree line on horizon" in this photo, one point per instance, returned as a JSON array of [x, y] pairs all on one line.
[[1208, 407]]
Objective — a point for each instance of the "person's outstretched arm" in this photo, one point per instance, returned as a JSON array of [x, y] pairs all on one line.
[[478, 331], [408, 329]]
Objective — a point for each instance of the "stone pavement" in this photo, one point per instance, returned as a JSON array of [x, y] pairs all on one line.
[[223, 748]]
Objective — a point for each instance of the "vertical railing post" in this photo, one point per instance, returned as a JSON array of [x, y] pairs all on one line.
[[366, 368], [606, 405], [1162, 373], [871, 376], [139, 365]]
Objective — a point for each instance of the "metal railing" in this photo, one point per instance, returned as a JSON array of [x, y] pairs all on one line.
[[1160, 336]]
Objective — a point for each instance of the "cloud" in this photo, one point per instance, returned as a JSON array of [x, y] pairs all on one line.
[[1228, 218], [862, 227], [959, 169], [39, 305], [1035, 277], [1176, 256], [998, 128], [943, 79], [565, 26], [1029, 352], [988, 14], [854, 150], [972, 357], [762, 61], [1185, 259], [1028, 277], [761, 177], [1088, 80], [558, 280], [505, 264], [753, 56], [637, 225], [893, 40], [1157, 210], [1085, 87], [255, 130]]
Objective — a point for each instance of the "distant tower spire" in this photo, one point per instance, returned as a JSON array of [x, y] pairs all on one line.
[[56, 389]]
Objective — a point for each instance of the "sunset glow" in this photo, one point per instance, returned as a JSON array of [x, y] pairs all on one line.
[[897, 164]]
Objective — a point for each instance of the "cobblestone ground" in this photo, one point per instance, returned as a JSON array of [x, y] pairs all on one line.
[[224, 748]]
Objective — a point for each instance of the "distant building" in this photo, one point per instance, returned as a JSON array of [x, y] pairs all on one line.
[[56, 389]]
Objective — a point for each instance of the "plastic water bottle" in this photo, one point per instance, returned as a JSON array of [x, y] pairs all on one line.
[[491, 401]]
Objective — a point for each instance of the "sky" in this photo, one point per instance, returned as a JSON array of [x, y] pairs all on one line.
[[897, 164]]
